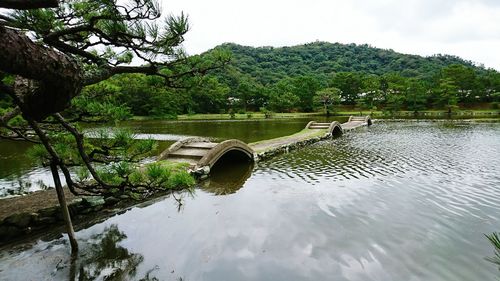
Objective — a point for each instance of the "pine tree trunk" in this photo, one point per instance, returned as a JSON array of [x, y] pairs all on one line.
[[64, 208], [55, 160]]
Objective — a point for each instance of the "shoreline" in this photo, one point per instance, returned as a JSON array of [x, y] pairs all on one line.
[[40, 218], [474, 113]]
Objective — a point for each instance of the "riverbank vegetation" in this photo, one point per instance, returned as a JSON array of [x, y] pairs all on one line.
[[340, 111]]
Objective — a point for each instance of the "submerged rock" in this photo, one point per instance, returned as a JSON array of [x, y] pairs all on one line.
[[49, 212], [93, 201], [111, 200], [8, 231], [20, 220]]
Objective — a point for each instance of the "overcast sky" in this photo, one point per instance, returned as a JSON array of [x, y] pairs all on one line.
[[466, 28]]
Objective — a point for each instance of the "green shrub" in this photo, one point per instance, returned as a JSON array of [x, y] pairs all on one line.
[[123, 137], [144, 146], [137, 177], [38, 153], [123, 169], [181, 179], [495, 105], [157, 174], [82, 173], [109, 176], [267, 113]]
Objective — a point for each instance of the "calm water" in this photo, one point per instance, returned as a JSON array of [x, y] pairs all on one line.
[[249, 130], [397, 201], [19, 174]]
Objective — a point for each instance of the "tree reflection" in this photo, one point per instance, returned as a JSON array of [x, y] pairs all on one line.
[[105, 259]]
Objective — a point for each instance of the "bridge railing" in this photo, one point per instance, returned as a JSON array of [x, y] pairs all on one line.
[[366, 119]]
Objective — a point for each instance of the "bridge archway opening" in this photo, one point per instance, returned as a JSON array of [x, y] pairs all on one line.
[[232, 157], [337, 131]]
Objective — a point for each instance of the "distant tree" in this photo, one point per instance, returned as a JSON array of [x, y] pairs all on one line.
[[350, 85], [489, 83], [283, 101], [305, 88], [361, 72], [447, 94], [465, 80], [208, 95], [246, 92], [327, 98], [417, 95], [371, 95], [383, 87], [397, 88]]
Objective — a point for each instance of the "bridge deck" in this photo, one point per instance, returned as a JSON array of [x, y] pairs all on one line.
[[312, 131], [352, 125], [277, 142]]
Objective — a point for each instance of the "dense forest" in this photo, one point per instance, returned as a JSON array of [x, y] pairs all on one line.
[[268, 65], [302, 78]]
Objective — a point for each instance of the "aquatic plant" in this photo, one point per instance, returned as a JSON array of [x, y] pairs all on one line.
[[495, 241]]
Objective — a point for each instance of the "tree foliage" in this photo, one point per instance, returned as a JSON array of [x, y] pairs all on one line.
[[95, 61], [327, 98]]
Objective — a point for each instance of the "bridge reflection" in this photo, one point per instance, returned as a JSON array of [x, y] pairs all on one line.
[[229, 174]]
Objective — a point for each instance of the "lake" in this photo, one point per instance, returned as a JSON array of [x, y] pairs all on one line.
[[19, 174], [396, 201]]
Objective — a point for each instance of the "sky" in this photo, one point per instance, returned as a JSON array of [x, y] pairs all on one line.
[[466, 28]]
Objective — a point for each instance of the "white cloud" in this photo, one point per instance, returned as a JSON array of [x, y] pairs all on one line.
[[467, 28]]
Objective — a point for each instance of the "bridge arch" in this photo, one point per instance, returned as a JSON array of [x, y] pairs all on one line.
[[335, 129], [364, 119], [229, 146]]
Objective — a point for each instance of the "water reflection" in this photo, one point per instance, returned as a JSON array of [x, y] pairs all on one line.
[[105, 259], [227, 177], [102, 256], [245, 130]]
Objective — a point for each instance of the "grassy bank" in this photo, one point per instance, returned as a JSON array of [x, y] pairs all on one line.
[[248, 115], [469, 113], [237, 116]]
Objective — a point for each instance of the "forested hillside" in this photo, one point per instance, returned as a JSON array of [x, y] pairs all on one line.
[[269, 65]]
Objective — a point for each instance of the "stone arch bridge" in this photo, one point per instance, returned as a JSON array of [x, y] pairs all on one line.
[[203, 153]]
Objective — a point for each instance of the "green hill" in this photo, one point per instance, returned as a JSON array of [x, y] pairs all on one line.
[[268, 64]]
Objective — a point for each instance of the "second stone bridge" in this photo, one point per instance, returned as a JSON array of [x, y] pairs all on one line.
[[202, 153]]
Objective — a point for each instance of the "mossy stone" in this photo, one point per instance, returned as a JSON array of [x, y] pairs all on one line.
[[20, 220]]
